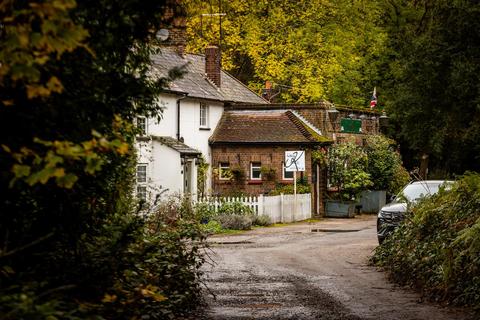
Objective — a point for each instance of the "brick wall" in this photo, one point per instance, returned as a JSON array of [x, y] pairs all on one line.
[[319, 118], [242, 156]]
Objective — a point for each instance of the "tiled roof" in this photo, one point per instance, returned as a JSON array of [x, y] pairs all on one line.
[[195, 83], [263, 127], [181, 147]]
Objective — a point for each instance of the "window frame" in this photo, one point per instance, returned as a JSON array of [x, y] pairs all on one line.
[[221, 167], [142, 183], [145, 180], [144, 127], [204, 115], [142, 195], [284, 177], [258, 165]]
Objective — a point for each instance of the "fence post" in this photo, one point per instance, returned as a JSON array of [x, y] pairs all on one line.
[[281, 207], [260, 204]]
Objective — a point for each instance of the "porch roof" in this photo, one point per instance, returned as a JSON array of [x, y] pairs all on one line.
[[176, 145]]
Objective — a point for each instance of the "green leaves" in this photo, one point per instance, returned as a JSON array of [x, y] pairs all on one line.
[[384, 164], [51, 159], [347, 163], [437, 247], [432, 80]]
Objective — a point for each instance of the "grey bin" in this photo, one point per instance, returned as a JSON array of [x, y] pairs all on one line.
[[372, 201], [339, 209]]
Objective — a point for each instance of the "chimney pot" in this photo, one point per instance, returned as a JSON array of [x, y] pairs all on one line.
[[213, 64]]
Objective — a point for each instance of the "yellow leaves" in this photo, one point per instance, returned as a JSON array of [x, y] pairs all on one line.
[[54, 85], [59, 173], [21, 170], [64, 4], [152, 292], [6, 148], [123, 148], [51, 160], [36, 90], [23, 39], [109, 298], [26, 48], [126, 297]]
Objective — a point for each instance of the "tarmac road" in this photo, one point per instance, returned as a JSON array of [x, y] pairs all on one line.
[[308, 271]]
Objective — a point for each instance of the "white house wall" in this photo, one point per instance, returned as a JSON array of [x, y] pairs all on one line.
[[168, 124], [190, 131], [166, 170]]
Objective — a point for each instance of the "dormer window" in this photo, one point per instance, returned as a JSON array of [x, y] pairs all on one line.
[[204, 123]]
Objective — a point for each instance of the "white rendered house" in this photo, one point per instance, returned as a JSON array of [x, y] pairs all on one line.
[[170, 150]]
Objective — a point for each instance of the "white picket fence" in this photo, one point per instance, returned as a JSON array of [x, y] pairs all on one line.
[[282, 208]]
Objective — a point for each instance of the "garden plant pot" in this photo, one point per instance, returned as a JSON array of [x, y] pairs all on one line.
[[339, 209]]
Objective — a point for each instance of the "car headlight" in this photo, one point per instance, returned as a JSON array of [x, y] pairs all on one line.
[[390, 217], [385, 214]]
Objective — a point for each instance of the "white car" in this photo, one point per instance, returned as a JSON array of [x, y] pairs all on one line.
[[392, 214]]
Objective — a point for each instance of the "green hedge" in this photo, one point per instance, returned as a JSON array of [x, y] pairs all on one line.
[[437, 248]]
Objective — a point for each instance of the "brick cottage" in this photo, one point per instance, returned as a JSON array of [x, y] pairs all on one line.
[[248, 150]]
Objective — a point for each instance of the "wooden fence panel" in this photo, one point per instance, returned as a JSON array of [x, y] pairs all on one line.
[[282, 208]]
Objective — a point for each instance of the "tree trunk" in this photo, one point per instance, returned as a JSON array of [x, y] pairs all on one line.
[[423, 166]]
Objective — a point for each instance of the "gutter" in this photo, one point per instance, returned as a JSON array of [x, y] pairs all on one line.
[[178, 115]]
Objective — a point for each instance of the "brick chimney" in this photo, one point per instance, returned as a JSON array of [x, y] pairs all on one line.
[[175, 17], [212, 64]]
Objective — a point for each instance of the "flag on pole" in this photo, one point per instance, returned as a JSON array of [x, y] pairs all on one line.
[[373, 100]]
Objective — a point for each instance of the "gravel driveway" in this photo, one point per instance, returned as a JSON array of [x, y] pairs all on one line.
[[308, 271]]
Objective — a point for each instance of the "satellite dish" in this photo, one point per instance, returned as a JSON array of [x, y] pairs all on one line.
[[162, 34]]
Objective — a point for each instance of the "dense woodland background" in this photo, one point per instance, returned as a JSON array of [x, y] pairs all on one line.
[[423, 57]]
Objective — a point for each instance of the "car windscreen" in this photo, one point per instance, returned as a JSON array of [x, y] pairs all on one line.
[[413, 192]]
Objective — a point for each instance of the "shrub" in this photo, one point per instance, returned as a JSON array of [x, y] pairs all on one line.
[[235, 221], [132, 266], [238, 174], [161, 269], [212, 227], [437, 248], [384, 164], [399, 179], [262, 220], [302, 187], [234, 208], [268, 174], [204, 211], [347, 165]]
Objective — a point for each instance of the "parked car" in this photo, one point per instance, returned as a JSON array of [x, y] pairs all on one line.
[[391, 215]]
